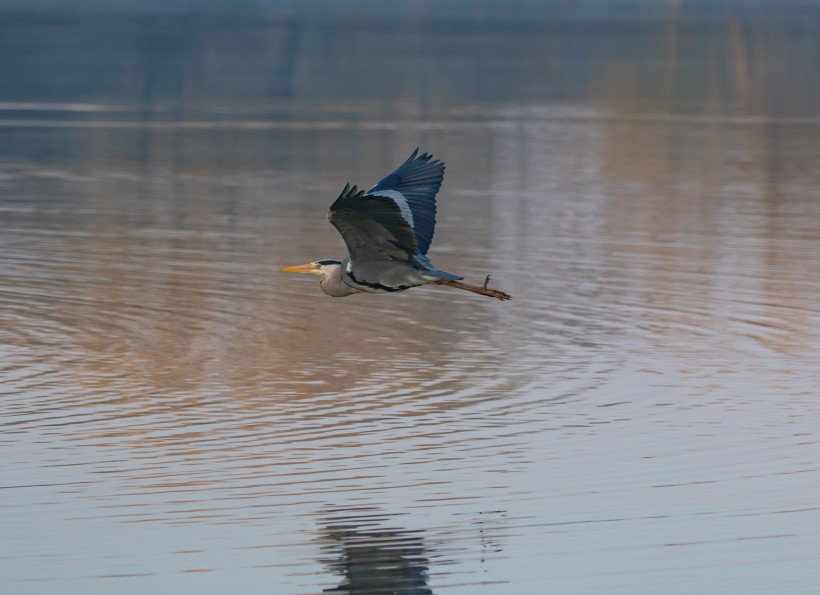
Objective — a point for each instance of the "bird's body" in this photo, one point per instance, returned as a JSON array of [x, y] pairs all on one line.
[[339, 279], [387, 231]]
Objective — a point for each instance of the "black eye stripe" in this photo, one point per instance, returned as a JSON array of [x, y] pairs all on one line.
[[327, 262]]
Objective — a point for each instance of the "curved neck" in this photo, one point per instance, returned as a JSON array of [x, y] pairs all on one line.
[[332, 282]]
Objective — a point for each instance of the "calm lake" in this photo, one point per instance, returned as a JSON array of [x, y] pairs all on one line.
[[177, 416]]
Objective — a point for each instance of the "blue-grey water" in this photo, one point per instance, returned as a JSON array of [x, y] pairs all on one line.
[[176, 416]]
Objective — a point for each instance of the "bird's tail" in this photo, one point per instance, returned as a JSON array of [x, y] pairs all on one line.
[[431, 271], [443, 275]]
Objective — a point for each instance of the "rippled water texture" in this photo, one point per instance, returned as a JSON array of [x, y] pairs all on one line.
[[179, 417]]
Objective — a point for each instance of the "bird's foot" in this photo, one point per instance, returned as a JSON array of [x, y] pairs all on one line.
[[481, 290], [499, 295]]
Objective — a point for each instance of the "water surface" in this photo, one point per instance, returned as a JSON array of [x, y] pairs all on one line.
[[177, 416]]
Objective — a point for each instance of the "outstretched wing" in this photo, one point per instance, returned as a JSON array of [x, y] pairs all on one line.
[[413, 186], [374, 229]]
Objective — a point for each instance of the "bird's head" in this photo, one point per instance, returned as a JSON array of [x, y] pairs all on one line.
[[319, 267]]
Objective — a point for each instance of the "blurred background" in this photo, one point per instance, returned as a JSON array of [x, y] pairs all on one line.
[[177, 416]]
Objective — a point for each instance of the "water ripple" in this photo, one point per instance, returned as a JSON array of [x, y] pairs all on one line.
[[649, 389]]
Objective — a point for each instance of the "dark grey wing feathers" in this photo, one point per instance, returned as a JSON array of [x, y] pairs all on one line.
[[372, 227], [418, 179]]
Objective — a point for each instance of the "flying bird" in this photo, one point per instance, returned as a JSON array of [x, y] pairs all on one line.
[[387, 231]]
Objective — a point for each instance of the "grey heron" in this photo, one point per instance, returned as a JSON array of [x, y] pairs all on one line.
[[387, 231]]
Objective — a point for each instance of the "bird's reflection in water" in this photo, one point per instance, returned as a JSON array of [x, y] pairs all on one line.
[[373, 557]]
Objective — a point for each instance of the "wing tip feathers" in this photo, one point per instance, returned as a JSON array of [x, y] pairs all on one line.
[[424, 157]]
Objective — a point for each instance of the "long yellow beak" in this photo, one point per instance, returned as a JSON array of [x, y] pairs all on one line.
[[302, 268]]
